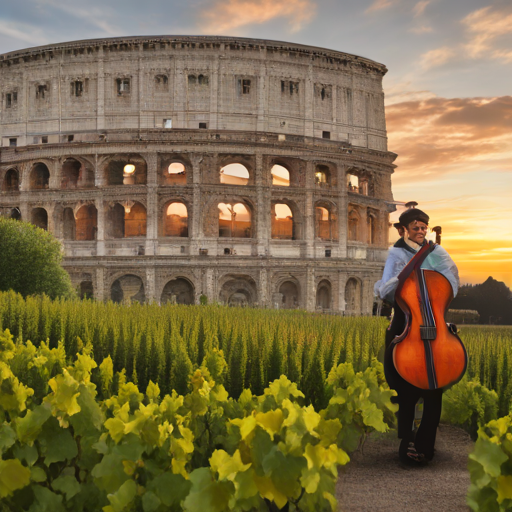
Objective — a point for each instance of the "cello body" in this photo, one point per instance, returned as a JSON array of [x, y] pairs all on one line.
[[427, 354]]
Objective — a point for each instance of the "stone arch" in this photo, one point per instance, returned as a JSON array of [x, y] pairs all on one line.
[[175, 219], [127, 288], [70, 173], [15, 214], [86, 290], [280, 175], [324, 295], [288, 294], [354, 224], [235, 220], [68, 224], [241, 169], [86, 222], [326, 221], [294, 167], [211, 224], [238, 290], [135, 220], [174, 170], [39, 217], [360, 181], [234, 174], [39, 176], [353, 296], [283, 227], [115, 170], [325, 175], [372, 227], [11, 182], [179, 290]]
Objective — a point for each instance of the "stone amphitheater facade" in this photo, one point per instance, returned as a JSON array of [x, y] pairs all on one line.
[[244, 171]]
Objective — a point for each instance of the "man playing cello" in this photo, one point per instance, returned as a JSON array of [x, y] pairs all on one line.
[[413, 450]]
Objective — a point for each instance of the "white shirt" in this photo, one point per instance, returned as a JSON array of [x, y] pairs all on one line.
[[398, 257]]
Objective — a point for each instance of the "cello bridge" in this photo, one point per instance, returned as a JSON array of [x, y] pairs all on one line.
[[428, 332]]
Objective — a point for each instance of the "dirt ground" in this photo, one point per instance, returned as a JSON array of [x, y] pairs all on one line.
[[377, 482]]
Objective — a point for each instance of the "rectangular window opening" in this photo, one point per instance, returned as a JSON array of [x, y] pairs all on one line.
[[41, 92], [203, 126], [327, 253], [44, 139], [326, 135], [246, 86], [8, 100], [77, 88], [71, 138], [123, 86], [167, 123], [13, 142]]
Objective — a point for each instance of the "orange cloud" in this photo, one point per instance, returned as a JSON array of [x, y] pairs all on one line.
[[485, 26], [420, 7], [440, 131], [455, 159], [378, 5], [225, 16], [437, 57]]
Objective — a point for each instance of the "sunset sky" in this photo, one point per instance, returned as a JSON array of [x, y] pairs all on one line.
[[448, 89]]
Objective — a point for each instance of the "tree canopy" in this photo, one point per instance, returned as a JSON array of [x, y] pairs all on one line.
[[30, 261]]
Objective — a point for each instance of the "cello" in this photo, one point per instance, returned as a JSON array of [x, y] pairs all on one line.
[[428, 354]]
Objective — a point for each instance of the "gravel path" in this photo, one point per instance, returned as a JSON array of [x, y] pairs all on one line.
[[377, 482]]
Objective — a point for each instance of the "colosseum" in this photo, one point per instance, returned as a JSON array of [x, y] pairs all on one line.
[[186, 168]]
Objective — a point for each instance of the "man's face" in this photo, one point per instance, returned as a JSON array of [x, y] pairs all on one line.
[[417, 231]]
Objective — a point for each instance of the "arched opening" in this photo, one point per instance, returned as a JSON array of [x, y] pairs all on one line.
[[353, 297], [11, 181], [352, 183], [126, 171], [234, 221], [353, 225], [325, 223], [234, 174], [282, 222], [280, 176], [135, 220], [178, 291], [39, 177], [323, 295], [68, 224], [128, 289], [39, 217], [289, 295], [322, 176], [86, 222], [116, 224], [70, 173], [15, 214], [86, 290], [175, 174], [372, 228], [176, 220], [238, 292]]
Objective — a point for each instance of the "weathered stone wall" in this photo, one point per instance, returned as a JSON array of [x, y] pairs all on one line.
[[79, 112]]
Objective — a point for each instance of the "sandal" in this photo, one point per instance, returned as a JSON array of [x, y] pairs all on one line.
[[413, 456]]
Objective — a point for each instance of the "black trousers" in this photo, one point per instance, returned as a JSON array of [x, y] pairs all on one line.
[[408, 396]]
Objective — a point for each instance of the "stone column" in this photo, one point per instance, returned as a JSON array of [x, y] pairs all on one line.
[[99, 285], [263, 209], [309, 211], [309, 86], [152, 205], [310, 289], [150, 284], [102, 209], [195, 215], [100, 118], [263, 85], [214, 94], [342, 283], [363, 233], [342, 211], [263, 288]]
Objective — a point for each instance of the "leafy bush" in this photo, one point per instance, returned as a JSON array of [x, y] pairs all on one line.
[[469, 405], [490, 468], [30, 262], [65, 449]]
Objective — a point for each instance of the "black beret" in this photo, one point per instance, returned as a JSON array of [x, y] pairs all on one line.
[[411, 215]]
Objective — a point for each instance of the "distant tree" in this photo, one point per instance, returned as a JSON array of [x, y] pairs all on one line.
[[492, 299], [30, 259]]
